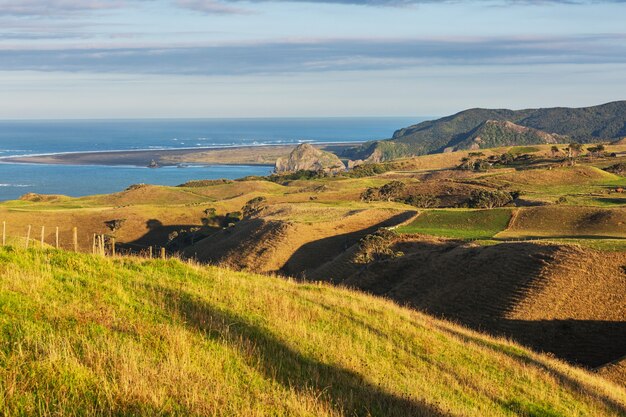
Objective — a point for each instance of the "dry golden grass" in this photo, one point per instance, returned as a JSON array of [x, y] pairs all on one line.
[[566, 221], [83, 335]]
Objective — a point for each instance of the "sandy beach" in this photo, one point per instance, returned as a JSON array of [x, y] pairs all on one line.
[[244, 155]]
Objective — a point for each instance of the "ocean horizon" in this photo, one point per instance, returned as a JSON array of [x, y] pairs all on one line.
[[41, 137]]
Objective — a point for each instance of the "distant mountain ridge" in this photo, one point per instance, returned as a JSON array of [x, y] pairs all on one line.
[[485, 128]]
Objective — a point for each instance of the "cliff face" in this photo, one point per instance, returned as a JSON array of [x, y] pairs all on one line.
[[305, 157]]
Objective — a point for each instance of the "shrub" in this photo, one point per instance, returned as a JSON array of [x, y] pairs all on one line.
[[210, 218], [377, 246], [233, 217], [489, 199], [371, 194], [619, 169], [204, 183], [298, 175], [367, 170], [422, 201], [115, 224], [392, 190], [253, 206]]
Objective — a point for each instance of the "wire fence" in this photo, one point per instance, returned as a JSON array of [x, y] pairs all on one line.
[[100, 244]]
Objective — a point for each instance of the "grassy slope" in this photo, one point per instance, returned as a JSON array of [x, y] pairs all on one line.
[[465, 224], [81, 335]]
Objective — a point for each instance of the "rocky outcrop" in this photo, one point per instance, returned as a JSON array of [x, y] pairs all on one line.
[[305, 157]]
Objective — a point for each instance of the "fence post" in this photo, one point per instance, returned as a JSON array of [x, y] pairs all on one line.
[[150, 252], [56, 238], [101, 241], [113, 247], [93, 245], [75, 238], [43, 230], [28, 236], [163, 253]]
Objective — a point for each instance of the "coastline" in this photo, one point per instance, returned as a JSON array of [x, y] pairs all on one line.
[[238, 155]]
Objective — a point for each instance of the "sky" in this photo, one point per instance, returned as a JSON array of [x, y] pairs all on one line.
[[63, 59]]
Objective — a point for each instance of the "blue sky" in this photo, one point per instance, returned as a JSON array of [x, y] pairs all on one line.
[[211, 58]]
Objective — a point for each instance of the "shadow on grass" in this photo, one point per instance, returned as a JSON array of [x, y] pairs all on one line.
[[313, 254], [479, 285], [342, 390], [564, 379]]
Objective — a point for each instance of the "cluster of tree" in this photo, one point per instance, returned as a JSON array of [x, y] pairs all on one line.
[[397, 191], [476, 161], [422, 201], [596, 151], [377, 246], [367, 170], [388, 192], [359, 171], [179, 239], [618, 169], [253, 206], [491, 198], [212, 219], [294, 176]]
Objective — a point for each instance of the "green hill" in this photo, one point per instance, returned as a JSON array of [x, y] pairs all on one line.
[[85, 335], [585, 125]]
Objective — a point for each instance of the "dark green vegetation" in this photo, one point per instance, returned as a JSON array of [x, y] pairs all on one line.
[[487, 128], [464, 224]]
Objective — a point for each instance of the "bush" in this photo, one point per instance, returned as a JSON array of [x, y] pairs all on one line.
[[253, 206], [619, 169], [371, 194], [233, 217], [377, 246], [422, 201], [210, 218], [298, 175], [367, 170], [489, 199], [392, 190], [115, 224], [204, 183]]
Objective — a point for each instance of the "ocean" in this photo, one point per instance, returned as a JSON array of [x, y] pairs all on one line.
[[46, 137]]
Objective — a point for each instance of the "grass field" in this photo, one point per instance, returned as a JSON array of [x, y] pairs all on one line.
[[84, 335], [461, 224]]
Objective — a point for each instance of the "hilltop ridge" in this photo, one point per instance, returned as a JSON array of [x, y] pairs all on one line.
[[606, 122]]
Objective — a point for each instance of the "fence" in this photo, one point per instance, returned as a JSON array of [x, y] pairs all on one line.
[[101, 244]]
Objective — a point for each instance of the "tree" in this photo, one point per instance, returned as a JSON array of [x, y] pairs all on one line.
[[377, 246], [554, 151], [573, 151], [489, 199], [392, 190], [210, 218], [115, 224], [253, 206], [422, 201], [597, 150], [371, 194]]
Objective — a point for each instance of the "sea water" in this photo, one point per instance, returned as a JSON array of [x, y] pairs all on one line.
[[46, 137]]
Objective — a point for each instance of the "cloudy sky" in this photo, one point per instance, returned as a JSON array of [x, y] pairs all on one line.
[[230, 58]]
